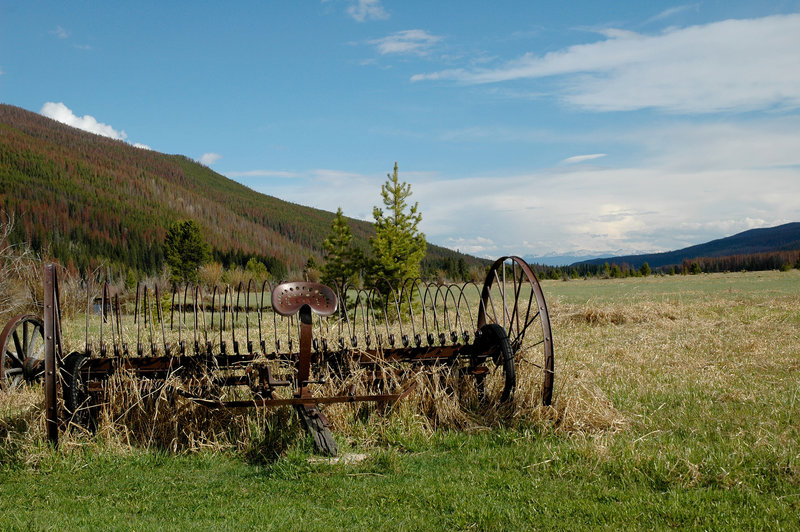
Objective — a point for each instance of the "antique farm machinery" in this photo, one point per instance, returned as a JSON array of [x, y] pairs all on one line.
[[295, 343]]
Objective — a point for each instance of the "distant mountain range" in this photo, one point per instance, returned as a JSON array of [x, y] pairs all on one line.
[[784, 237], [90, 200]]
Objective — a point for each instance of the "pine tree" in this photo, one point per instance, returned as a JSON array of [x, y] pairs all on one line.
[[185, 251], [398, 246], [342, 259]]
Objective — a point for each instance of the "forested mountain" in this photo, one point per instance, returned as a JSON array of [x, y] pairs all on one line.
[[755, 241], [88, 200]]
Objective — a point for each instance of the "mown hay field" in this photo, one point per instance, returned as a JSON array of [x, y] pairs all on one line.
[[677, 404]]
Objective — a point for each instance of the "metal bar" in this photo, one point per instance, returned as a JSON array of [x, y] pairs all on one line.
[[50, 328]]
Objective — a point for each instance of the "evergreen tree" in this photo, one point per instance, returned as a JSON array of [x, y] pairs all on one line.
[[398, 246], [645, 270], [185, 251], [342, 259]]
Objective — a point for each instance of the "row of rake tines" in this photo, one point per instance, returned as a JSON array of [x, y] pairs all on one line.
[[423, 313]]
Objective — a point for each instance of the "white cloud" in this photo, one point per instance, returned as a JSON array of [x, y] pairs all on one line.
[[406, 42], [730, 65], [363, 10], [210, 158], [684, 184], [581, 158], [141, 146], [62, 113]]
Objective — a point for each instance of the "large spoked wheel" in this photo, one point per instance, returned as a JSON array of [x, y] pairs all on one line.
[[22, 354], [512, 298]]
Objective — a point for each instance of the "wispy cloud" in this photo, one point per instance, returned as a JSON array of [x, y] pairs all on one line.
[[672, 11], [265, 173], [733, 65], [60, 32], [141, 146], [406, 42], [581, 158], [210, 158], [62, 113], [364, 10]]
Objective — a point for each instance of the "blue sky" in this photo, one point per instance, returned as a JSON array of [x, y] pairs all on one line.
[[533, 128]]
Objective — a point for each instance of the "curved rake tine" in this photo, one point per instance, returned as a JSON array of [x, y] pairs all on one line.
[[201, 298], [371, 316], [275, 329], [437, 319], [88, 348], [375, 294], [358, 305], [247, 316], [261, 341], [268, 287], [119, 327], [111, 325], [347, 318], [138, 321], [465, 333], [342, 311], [105, 302], [451, 325], [409, 294], [160, 314], [193, 291], [149, 322], [223, 314], [235, 317]]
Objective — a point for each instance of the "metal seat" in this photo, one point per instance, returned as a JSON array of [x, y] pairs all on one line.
[[287, 298]]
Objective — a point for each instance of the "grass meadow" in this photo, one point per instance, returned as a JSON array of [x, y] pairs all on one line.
[[676, 405]]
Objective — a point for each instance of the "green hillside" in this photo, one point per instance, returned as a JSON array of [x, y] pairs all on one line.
[[88, 200]]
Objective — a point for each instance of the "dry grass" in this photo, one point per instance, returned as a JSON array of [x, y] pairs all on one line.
[[620, 366]]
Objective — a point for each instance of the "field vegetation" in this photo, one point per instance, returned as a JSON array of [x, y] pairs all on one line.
[[677, 404]]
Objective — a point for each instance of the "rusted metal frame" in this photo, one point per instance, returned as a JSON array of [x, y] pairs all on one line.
[[304, 357], [52, 347], [306, 400]]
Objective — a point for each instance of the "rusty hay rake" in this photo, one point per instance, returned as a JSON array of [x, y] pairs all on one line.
[[295, 343]]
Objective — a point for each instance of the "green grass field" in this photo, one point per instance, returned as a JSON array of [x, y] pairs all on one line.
[[677, 404]]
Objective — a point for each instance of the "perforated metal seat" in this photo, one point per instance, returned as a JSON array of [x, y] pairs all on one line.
[[287, 298]]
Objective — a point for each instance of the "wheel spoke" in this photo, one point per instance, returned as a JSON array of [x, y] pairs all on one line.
[[14, 358], [18, 345], [24, 336], [521, 334], [36, 346]]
